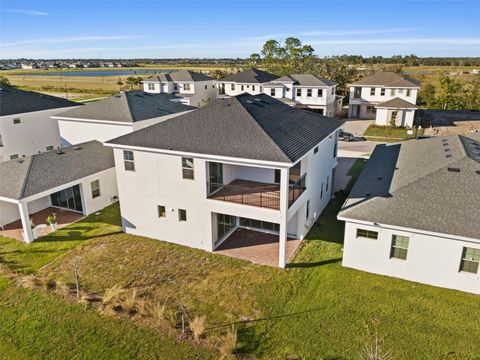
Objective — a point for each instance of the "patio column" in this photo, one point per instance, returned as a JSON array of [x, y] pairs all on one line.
[[25, 219], [284, 188]]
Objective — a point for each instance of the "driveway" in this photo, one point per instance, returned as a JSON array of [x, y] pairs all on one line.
[[357, 148], [357, 126]]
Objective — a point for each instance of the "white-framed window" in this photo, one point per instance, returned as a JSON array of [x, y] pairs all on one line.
[[272, 92], [371, 109], [50, 147], [17, 121], [182, 215], [307, 210], [333, 91], [408, 92], [320, 92], [187, 168], [128, 160], [470, 260], [162, 211], [206, 86], [392, 92], [242, 87], [372, 91], [95, 186], [253, 87], [299, 92], [367, 234], [315, 150], [382, 92], [151, 86], [186, 87], [232, 86], [309, 92], [399, 248], [13, 156]]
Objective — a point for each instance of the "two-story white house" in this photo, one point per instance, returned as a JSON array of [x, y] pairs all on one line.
[[117, 115], [386, 97], [249, 81], [306, 91], [26, 126], [192, 88], [228, 176], [414, 213]]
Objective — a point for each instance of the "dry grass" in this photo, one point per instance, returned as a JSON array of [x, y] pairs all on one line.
[[228, 342], [128, 302], [112, 294], [198, 325], [29, 282]]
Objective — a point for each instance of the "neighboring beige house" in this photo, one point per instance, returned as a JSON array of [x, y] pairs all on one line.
[[192, 88], [385, 97]]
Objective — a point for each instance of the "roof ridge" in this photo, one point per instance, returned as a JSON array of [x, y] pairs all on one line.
[[27, 175], [258, 125], [127, 97]]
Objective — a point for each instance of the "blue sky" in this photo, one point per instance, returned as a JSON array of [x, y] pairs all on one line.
[[168, 29]]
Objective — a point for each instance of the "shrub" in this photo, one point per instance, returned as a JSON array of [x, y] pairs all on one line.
[[197, 325], [112, 294], [228, 342]]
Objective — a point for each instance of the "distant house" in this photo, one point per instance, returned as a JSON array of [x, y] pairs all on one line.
[[414, 213], [117, 115], [386, 97], [78, 179], [306, 91], [26, 126], [192, 88], [250, 81], [247, 166]]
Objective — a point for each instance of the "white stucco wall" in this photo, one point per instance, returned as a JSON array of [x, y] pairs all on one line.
[[35, 132], [404, 117], [432, 259], [250, 88], [200, 92]]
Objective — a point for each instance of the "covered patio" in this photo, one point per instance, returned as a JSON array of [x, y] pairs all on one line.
[[65, 217], [257, 247]]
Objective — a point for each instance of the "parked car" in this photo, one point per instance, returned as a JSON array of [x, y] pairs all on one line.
[[345, 136]]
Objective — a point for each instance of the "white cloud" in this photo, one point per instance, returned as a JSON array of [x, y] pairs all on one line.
[[71, 39], [418, 41], [25, 12]]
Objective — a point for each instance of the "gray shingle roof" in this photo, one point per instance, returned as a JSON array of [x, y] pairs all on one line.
[[304, 80], [409, 185], [16, 101], [129, 107], [40, 172], [387, 79], [246, 126], [250, 76], [180, 76], [396, 103]]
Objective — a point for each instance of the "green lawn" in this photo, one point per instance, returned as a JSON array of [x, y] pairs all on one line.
[[314, 309], [387, 133]]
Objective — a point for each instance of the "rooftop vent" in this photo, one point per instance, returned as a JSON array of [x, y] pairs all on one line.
[[20, 161], [448, 155], [445, 143], [379, 178], [478, 172], [77, 148], [446, 149], [452, 169]]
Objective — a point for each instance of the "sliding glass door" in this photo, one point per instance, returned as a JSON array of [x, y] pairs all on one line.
[[225, 224], [69, 198]]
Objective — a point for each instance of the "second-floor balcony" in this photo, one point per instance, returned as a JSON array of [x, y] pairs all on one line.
[[255, 193]]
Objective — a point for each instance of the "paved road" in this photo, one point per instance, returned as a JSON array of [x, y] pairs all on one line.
[[356, 148]]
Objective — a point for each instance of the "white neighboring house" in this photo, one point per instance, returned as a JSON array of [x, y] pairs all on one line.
[[81, 179], [192, 88], [306, 91], [25, 124], [243, 162], [117, 115], [414, 213], [249, 81], [384, 96]]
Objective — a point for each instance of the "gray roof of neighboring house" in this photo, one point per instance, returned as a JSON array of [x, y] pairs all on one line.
[[129, 107], [304, 80], [396, 103], [41, 172], [250, 76], [409, 185], [387, 79], [16, 101], [246, 126], [179, 76]]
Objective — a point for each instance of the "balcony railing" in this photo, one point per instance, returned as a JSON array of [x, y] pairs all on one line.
[[255, 193]]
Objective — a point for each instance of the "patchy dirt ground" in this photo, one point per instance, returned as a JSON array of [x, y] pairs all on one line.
[[446, 122]]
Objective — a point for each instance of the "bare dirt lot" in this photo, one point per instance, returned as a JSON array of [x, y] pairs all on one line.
[[448, 122]]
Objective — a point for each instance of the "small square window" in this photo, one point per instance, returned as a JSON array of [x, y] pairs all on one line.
[[320, 92], [392, 92], [162, 212], [13, 156], [408, 92], [232, 86], [50, 148], [399, 247], [17, 121], [372, 91], [253, 87], [368, 234], [242, 87], [95, 186], [382, 92], [272, 92], [299, 92], [151, 86], [315, 150], [309, 92], [206, 87], [182, 215], [470, 260], [187, 168], [186, 87], [128, 160]]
